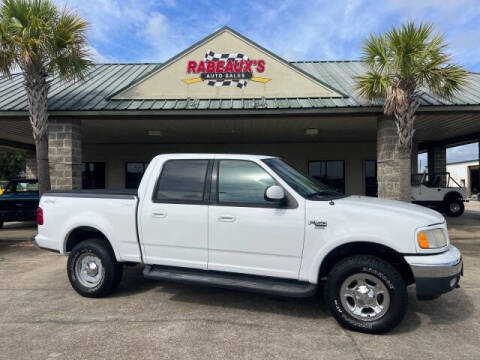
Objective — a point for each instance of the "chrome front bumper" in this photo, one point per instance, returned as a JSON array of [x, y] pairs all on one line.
[[436, 274]]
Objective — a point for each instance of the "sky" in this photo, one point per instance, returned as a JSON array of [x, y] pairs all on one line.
[[454, 154], [155, 30]]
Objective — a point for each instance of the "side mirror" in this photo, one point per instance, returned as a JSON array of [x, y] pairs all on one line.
[[274, 193]]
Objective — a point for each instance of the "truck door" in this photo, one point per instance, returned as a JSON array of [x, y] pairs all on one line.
[[249, 234], [174, 220]]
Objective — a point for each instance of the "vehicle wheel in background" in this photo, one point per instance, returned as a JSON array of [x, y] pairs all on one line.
[[366, 294], [454, 207], [92, 269]]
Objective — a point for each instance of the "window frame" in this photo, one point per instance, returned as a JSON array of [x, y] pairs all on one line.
[[16, 182], [145, 165], [326, 161], [365, 175], [104, 175], [206, 186], [288, 203]]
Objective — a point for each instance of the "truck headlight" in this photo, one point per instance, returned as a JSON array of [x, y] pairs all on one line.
[[432, 239]]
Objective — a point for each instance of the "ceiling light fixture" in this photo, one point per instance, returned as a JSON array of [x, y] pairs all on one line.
[[154, 133], [311, 132]]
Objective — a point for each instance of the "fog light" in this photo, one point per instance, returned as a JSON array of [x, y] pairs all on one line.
[[454, 282]]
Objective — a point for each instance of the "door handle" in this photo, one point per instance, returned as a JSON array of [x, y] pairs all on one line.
[[159, 214], [226, 218]]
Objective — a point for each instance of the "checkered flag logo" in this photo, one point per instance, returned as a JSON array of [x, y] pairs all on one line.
[[213, 56]]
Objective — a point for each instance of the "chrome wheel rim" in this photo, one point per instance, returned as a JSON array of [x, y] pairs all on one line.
[[454, 207], [365, 297], [89, 270]]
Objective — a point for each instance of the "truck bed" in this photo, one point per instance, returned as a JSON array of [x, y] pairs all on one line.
[[113, 213]]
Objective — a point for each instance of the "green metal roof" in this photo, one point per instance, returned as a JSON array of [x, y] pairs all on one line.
[[104, 80]]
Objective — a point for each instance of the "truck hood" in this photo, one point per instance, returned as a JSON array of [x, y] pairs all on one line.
[[421, 215]]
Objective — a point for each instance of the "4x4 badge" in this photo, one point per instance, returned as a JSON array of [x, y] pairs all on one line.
[[318, 224]]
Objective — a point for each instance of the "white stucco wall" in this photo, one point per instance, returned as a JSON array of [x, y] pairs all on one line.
[[460, 171]]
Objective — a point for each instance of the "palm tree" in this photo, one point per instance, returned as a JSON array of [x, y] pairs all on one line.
[[402, 63], [40, 40]]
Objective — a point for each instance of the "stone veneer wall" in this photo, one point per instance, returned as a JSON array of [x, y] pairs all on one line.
[[387, 165], [437, 159], [65, 154], [437, 162]]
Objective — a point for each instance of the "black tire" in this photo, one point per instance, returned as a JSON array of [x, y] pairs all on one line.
[[454, 207], [111, 270], [379, 269]]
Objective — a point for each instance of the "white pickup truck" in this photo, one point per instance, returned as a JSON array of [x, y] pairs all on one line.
[[254, 223]]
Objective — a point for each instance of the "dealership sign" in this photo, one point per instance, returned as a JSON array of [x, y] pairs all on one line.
[[226, 70]]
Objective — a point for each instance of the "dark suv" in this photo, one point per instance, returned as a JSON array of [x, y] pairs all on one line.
[[19, 201]]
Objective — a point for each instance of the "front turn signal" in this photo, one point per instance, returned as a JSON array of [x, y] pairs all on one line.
[[423, 240]]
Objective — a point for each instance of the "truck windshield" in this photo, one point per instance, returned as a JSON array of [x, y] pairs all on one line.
[[304, 185]]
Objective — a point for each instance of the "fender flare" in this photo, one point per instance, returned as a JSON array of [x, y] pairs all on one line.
[[452, 195], [320, 257], [95, 227]]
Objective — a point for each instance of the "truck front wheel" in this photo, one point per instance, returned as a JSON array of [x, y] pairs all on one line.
[[365, 293], [92, 269]]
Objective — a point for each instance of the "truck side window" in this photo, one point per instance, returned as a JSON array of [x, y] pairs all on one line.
[[242, 181], [182, 180]]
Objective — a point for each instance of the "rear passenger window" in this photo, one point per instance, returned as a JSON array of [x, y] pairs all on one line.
[[182, 180]]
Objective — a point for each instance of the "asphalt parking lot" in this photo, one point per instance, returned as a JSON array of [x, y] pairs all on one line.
[[41, 317]]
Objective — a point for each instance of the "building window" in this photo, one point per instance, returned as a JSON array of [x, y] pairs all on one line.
[[330, 172], [371, 187], [182, 181], [93, 175], [133, 174]]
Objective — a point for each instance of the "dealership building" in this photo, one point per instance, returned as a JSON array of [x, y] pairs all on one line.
[[228, 94]]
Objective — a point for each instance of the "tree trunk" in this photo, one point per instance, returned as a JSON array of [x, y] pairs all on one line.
[[37, 87], [405, 174], [404, 121], [43, 173]]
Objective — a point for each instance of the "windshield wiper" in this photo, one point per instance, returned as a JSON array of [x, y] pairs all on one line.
[[321, 193]]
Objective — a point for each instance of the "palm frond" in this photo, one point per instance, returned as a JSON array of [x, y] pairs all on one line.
[[409, 57], [7, 50], [375, 53], [447, 81], [43, 39], [68, 46], [373, 85]]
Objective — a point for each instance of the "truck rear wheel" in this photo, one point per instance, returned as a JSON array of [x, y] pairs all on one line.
[[454, 207], [366, 294], [93, 270]]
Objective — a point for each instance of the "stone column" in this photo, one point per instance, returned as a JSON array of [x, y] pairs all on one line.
[[30, 165], [388, 171], [65, 153], [478, 184], [437, 162], [437, 159]]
